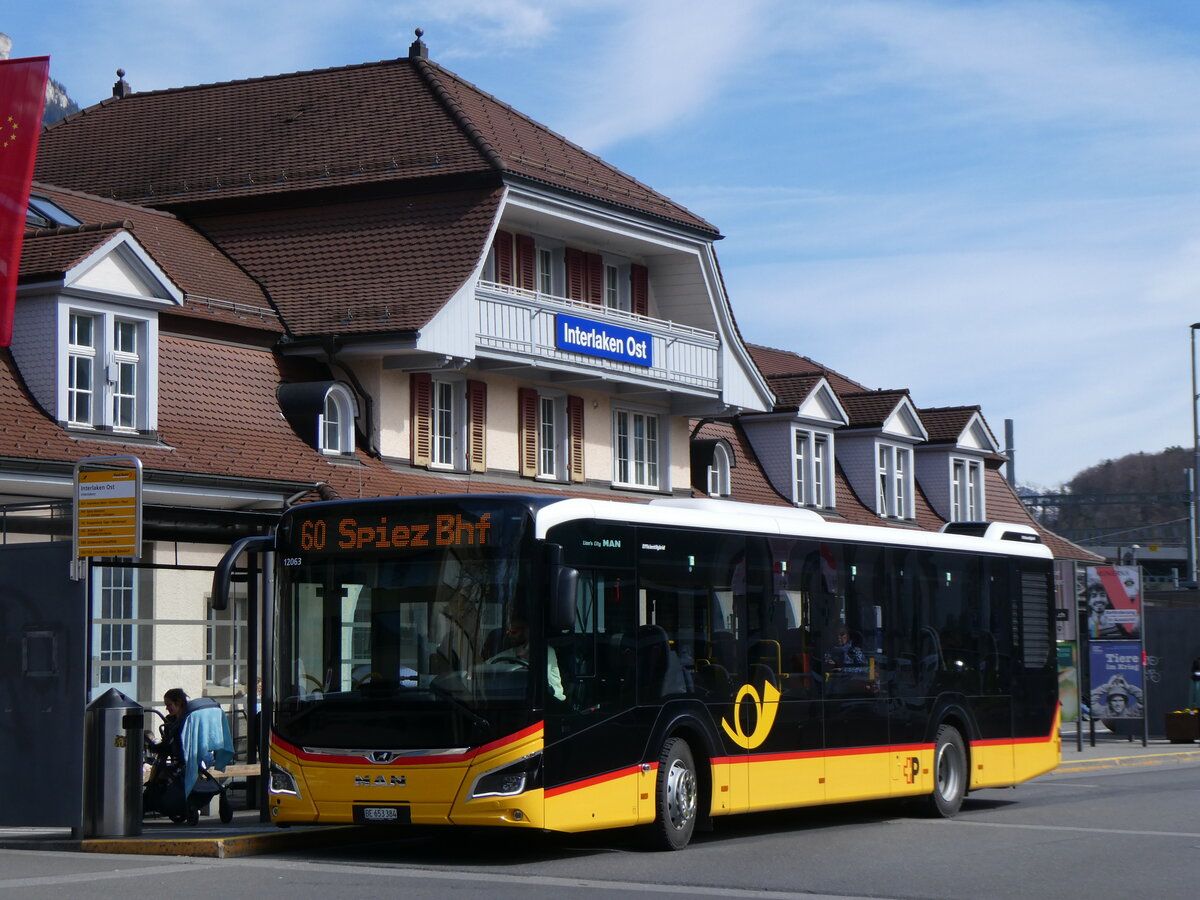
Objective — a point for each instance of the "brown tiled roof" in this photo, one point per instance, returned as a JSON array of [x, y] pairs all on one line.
[[945, 424], [783, 364], [524, 147], [216, 288], [376, 265], [49, 254], [792, 390], [867, 409], [373, 124]]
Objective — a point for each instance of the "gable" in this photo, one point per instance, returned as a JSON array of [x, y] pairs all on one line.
[[822, 405], [121, 267], [904, 423], [977, 437]]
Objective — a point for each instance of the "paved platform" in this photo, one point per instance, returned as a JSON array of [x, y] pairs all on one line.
[[247, 835]]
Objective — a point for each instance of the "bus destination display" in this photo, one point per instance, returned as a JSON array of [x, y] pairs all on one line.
[[378, 533]]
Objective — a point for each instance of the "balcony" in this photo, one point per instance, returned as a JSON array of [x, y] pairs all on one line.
[[519, 326]]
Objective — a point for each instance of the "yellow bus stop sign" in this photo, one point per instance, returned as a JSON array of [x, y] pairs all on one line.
[[108, 507]]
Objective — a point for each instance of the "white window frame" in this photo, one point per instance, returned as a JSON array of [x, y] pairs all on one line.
[[80, 389], [122, 389], [893, 481], [812, 464], [552, 450], [966, 489], [615, 290], [448, 424], [720, 481], [639, 459], [114, 630], [335, 432], [552, 281]]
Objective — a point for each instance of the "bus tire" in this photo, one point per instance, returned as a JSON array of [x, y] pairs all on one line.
[[949, 773], [676, 797]]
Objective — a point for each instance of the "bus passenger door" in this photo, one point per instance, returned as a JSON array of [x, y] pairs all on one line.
[[594, 742], [849, 600]]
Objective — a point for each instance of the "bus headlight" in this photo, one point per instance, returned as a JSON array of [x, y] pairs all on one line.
[[507, 781], [282, 781]]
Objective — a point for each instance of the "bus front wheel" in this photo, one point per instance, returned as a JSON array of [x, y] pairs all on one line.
[[677, 790], [949, 773]]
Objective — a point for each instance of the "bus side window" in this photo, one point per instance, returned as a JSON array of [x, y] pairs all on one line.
[[604, 614]]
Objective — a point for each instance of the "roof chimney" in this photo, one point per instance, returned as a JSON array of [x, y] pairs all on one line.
[[121, 88], [417, 49]]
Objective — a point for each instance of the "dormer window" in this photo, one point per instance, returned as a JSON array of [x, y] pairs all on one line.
[[894, 491], [335, 425], [813, 468], [105, 382], [966, 490], [719, 479]]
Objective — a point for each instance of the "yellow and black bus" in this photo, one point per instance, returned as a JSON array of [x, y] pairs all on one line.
[[569, 664]]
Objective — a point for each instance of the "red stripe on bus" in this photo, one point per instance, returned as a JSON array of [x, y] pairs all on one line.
[[596, 779]]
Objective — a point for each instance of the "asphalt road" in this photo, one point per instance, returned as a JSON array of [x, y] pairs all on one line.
[[1095, 835]]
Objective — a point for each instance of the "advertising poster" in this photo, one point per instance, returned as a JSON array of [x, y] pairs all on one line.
[[1068, 682], [1114, 602], [1117, 682]]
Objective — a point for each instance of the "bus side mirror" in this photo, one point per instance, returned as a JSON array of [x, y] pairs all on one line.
[[563, 584], [224, 571]]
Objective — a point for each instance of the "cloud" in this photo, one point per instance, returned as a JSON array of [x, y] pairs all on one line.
[[657, 65]]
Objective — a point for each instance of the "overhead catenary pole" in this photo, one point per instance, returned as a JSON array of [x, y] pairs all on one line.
[[1193, 510]]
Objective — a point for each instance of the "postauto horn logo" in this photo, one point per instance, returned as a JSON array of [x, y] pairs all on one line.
[[765, 708]]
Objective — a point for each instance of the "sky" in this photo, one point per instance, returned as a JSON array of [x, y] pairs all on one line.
[[989, 202]]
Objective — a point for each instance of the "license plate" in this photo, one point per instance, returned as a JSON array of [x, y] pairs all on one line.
[[381, 814], [375, 815]]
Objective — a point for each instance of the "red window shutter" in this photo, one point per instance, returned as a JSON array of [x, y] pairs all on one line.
[[525, 264], [573, 262], [421, 394], [595, 278], [477, 426], [575, 434], [503, 247], [527, 421], [639, 289]]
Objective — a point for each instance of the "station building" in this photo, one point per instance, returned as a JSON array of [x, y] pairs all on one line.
[[379, 279]]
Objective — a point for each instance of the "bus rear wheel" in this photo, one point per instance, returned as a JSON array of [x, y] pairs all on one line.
[[949, 773], [676, 797]]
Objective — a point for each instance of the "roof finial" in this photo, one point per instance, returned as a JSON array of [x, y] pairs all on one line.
[[121, 88], [417, 49]]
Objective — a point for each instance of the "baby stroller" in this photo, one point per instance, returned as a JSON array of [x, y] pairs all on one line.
[[180, 785]]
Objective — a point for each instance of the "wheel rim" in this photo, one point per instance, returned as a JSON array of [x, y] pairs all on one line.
[[948, 775], [681, 794]]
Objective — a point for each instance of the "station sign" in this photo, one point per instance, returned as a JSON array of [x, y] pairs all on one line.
[[603, 339], [108, 507]]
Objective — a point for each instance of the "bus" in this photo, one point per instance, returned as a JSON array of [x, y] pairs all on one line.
[[574, 664]]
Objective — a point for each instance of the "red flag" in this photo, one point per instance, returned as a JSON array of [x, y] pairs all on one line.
[[22, 95]]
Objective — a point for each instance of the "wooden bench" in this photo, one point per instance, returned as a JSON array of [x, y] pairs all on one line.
[[238, 771]]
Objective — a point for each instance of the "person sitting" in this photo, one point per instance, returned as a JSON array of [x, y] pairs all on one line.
[[845, 655], [516, 640]]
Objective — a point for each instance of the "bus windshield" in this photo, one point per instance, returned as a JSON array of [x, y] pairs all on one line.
[[396, 641]]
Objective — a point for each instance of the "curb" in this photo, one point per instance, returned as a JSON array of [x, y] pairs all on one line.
[[227, 846], [1129, 762], [216, 847]]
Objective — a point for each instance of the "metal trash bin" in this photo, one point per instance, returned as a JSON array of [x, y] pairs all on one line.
[[112, 766]]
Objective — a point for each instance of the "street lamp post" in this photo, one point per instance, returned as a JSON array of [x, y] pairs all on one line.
[[1194, 477]]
